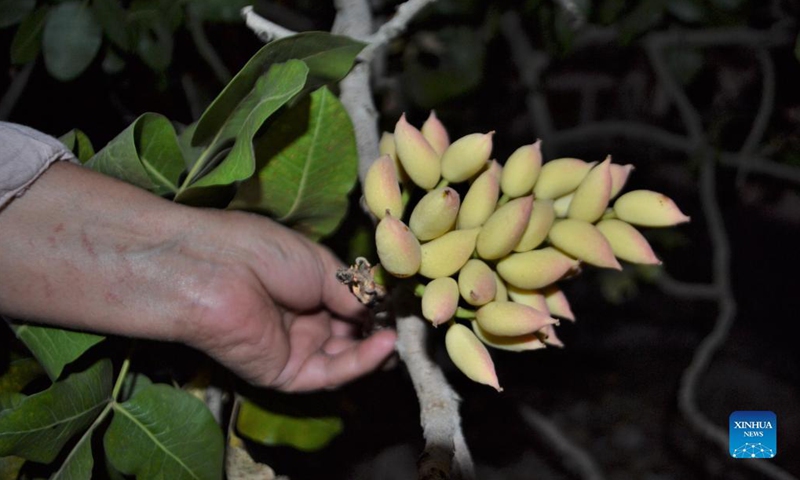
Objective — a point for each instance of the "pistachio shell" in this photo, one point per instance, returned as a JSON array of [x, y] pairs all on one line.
[[398, 249], [470, 355], [476, 282], [535, 268], [440, 300], [504, 228], [511, 319], [435, 133], [381, 190], [480, 200], [521, 170], [446, 255], [466, 156], [648, 209], [435, 214], [419, 160], [583, 241]]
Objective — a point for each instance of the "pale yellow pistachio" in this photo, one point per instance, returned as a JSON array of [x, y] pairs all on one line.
[[561, 205], [557, 303], [476, 282], [381, 190], [535, 268], [398, 249], [504, 228], [386, 146], [560, 176], [435, 133], [445, 255], [480, 200], [627, 243], [619, 176], [541, 219], [466, 156], [435, 213], [470, 355], [583, 241], [511, 319], [592, 195], [647, 208], [440, 300], [519, 343], [419, 160], [521, 170], [530, 297], [502, 289]]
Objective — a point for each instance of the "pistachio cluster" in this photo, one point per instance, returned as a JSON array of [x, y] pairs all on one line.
[[493, 257]]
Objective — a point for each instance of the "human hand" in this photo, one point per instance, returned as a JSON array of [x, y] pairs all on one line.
[[81, 250]]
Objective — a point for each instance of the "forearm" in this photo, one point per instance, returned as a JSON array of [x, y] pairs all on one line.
[[82, 250]]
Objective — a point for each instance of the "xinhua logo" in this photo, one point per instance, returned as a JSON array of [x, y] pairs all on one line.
[[753, 434]]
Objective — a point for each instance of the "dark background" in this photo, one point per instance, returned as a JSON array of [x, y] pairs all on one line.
[[613, 389]]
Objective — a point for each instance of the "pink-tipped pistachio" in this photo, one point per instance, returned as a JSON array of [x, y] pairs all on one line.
[[476, 282], [445, 255], [504, 228], [510, 319], [386, 146], [435, 214], [519, 343], [532, 298], [550, 337], [557, 303], [435, 133], [627, 243], [583, 241], [560, 176], [535, 268], [470, 355], [480, 200], [419, 160], [539, 223], [646, 208], [381, 190], [466, 156], [440, 300], [591, 198], [521, 170], [398, 249], [619, 176]]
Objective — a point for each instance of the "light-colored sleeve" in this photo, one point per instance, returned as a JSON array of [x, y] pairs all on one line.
[[25, 154]]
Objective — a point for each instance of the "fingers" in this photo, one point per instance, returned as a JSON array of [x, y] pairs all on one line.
[[335, 295], [325, 370]]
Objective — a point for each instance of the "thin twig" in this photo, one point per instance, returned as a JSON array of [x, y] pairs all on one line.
[[574, 458], [577, 17], [761, 121], [206, 49], [394, 27], [264, 29], [530, 63], [14, 92], [607, 130], [689, 291]]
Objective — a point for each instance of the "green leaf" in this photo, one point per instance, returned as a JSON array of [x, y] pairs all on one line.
[[112, 62], [111, 16], [10, 467], [190, 153], [145, 154], [71, 40], [27, 41], [9, 400], [270, 428], [273, 90], [79, 463], [155, 45], [328, 57], [42, 423], [307, 165], [164, 432], [19, 374], [13, 11], [132, 384], [219, 10], [79, 143], [54, 347]]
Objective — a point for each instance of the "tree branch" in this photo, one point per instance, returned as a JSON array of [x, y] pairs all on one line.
[[438, 402], [206, 50], [576, 459], [14, 92], [264, 29]]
